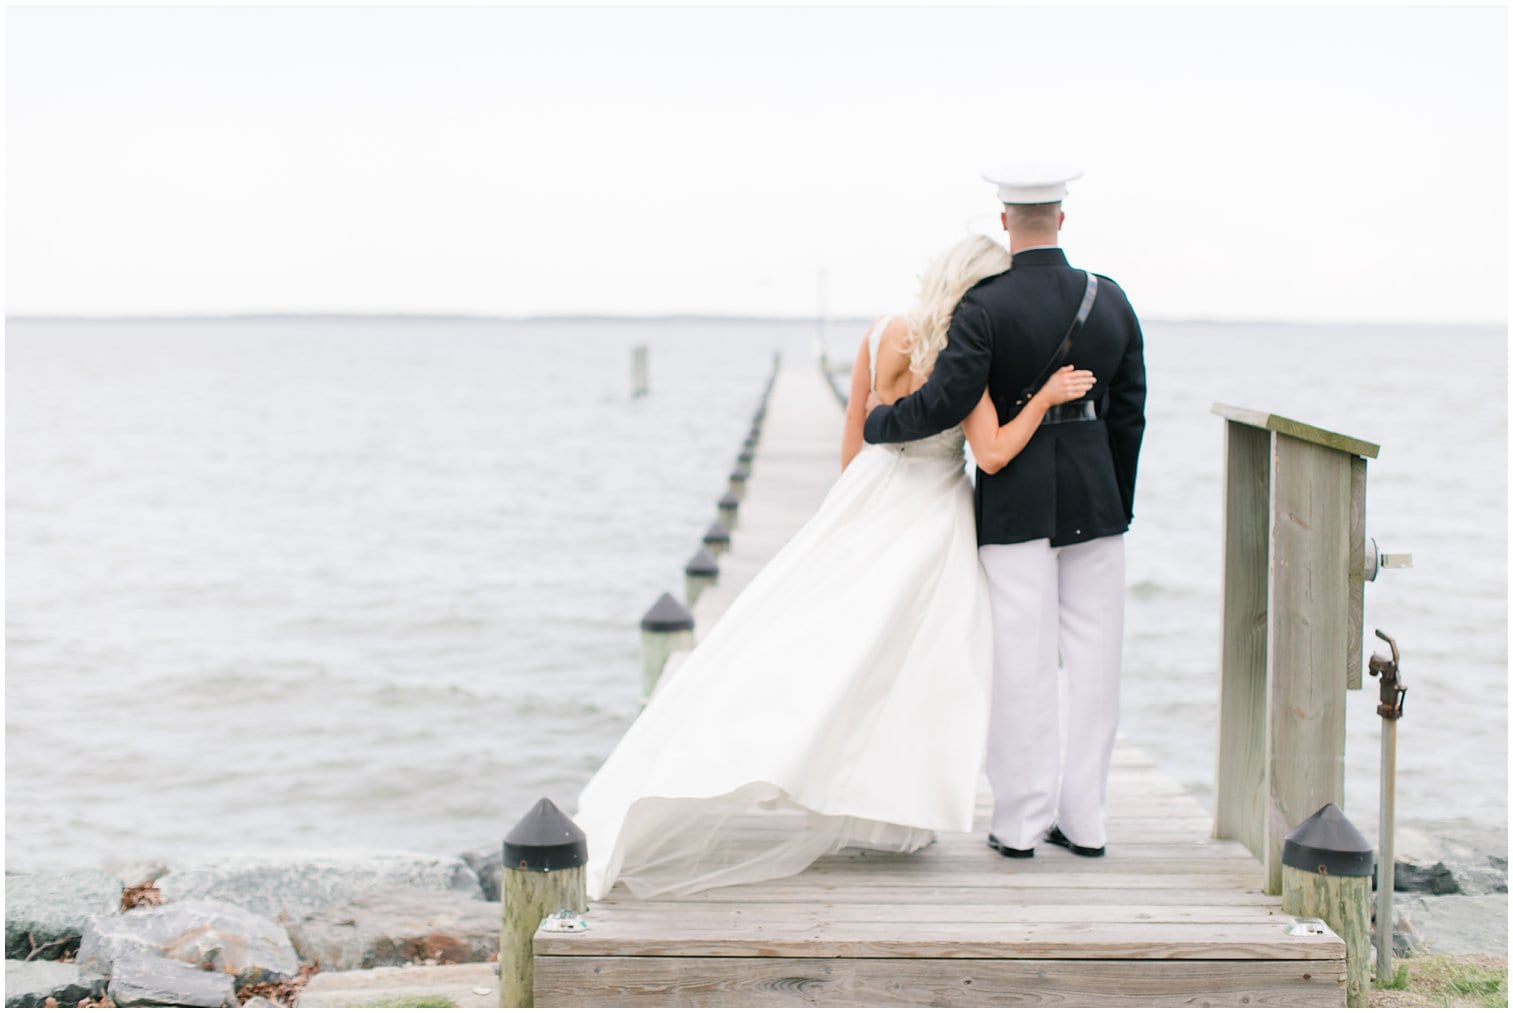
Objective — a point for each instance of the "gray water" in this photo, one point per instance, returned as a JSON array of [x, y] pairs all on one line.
[[375, 583]]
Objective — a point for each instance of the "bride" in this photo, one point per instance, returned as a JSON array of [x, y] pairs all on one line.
[[842, 699]]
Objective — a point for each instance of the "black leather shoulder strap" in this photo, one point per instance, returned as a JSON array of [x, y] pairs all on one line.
[[1088, 295]]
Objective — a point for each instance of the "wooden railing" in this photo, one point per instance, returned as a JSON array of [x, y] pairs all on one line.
[[1291, 635]]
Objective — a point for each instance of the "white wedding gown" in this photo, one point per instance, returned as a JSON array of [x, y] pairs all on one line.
[[840, 701]]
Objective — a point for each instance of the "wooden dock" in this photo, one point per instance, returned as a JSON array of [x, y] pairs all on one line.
[[1170, 917]]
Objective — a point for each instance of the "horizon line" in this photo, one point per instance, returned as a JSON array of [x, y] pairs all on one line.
[[334, 315]]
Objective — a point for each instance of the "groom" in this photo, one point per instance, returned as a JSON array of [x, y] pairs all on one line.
[[1050, 525]]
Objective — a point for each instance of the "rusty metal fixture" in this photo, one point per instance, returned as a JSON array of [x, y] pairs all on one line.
[[1394, 689]]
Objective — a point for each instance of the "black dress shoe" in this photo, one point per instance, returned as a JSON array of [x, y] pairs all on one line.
[[1059, 839], [1008, 852]]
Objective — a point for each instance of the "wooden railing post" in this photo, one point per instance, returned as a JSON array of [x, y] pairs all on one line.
[[1307, 637], [1240, 789], [1294, 534]]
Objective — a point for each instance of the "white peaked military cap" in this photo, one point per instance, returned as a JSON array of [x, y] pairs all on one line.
[[1031, 184]]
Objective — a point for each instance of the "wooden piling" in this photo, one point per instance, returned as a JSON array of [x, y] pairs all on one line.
[[666, 627], [717, 539], [738, 481], [730, 505], [544, 856], [1326, 874], [700, 572], [638, 371]]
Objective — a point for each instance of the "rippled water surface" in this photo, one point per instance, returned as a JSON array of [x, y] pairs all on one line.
[[375, 582]]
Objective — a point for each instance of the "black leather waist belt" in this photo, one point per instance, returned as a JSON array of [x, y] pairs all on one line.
[[1075, 411]]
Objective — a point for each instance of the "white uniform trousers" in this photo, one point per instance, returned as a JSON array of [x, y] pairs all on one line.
[[1069, 598]]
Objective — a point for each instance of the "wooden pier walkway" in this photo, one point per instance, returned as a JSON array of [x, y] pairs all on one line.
[[1170, 917]]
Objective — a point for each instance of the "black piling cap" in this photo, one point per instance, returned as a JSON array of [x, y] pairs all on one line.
[[717, 535], [730, 501], [740, 475], [545, 839], [667, 616], [702, 565], [1329, 844], [744, 457]]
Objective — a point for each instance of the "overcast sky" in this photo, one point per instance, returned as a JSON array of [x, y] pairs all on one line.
[[1241, 163]]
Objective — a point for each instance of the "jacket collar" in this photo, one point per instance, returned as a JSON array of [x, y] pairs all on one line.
[[1041, 256]]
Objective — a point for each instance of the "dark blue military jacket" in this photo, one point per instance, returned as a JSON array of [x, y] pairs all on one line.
[[1073, 481]]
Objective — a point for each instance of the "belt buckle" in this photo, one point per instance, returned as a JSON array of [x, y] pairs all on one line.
[[1075, 411]]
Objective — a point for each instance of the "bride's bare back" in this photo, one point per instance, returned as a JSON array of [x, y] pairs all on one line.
[[894, 380]]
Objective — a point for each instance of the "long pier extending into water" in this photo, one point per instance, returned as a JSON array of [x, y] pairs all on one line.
[[1171, 916]]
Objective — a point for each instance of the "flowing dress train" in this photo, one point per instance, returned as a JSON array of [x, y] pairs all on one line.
[[841, 700]]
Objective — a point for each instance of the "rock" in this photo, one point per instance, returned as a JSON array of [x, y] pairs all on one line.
[[1409, 877], [1405, 936], [33, 982], [54, 904], [206, 934], [137, 870], [389, 927], [1457, 924], [485, 862], [140, 979], [290, 884], [466, 985], [1459, 857]]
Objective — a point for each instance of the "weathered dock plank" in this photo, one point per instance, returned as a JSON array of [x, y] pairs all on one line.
[[1171, 916], [719, 982]]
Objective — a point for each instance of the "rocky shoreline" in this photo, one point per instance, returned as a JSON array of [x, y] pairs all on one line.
[[1451, 884], [250, 929], [240, 929]]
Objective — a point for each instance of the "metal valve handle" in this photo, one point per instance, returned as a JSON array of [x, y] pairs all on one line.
[[1394, 690]]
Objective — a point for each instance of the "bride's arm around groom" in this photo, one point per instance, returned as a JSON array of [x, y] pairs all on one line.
[[954, 388]]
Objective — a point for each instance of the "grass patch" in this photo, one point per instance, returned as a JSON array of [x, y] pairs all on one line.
[[1399, 976], [1441, 981], [414, 1001]]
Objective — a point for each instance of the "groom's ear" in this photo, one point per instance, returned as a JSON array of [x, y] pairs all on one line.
[[1003, 216], [1060, 220]]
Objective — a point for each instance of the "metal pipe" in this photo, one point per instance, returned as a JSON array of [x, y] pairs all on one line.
[[1386, 866], [1390, 707]]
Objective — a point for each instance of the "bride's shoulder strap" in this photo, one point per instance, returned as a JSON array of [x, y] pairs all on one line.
[[874, 338], [875, 332]]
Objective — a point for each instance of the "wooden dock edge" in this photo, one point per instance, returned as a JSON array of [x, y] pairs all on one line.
[[854, 982]]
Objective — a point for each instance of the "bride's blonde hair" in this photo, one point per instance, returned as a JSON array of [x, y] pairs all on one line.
[[941, 287]]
